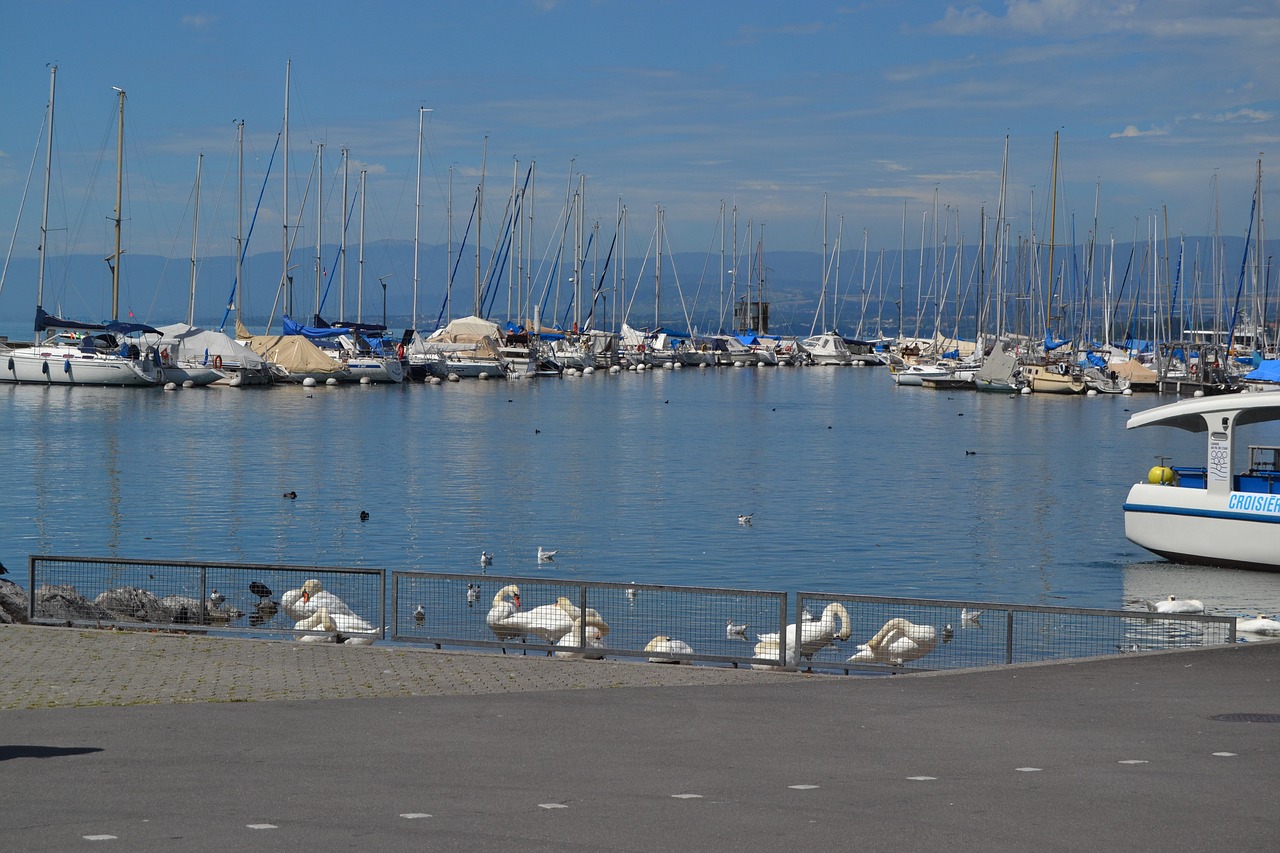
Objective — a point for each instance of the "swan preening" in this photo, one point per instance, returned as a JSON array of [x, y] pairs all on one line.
[[814, 635], [305, 603], [664, 645], [898, 642], [592, 638], [1172, 604], [320, 620], [548, 623]]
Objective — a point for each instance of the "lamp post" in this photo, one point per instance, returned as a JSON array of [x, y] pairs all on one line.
[[382, 280]]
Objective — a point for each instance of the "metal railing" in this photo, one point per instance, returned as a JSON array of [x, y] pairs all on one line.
[[581, 619], [710, 625], [238, 598]]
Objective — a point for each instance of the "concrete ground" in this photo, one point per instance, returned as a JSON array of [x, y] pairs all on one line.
[[166, 742]]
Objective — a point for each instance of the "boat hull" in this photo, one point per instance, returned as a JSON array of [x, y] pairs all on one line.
[[66, 366], [1188, 525]]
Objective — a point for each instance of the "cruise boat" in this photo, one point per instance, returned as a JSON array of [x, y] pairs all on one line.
[[1210, 514]]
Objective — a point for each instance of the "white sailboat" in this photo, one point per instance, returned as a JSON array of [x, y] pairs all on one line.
[[75, 353]]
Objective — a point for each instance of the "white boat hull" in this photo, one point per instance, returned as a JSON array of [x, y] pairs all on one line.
[[375, 369], [44, 365], [1187, 525]]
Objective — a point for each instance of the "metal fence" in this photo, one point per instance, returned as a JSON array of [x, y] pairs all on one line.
[[897, 634], [580, 619], [320, 604]]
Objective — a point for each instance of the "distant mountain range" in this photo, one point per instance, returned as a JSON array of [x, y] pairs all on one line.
[[157, 289]]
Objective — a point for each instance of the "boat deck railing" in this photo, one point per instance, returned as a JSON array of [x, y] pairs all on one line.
[[839, 633]]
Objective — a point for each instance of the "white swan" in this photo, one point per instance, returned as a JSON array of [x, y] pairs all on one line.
[[814, 635], [318, 621], [506, 603], [591, 639], [1261, 624], [664, 645], [301, 603], [1172, 604], [897, 642], [590, 616]]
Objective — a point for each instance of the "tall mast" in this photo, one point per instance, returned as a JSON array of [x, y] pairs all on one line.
[[657, 278], [319, 220], [44, 216], [239, 297], [284, 274], [195, 231], [115, 267], [342, 248], [360, 262], [1053, 220], [417, 218], [484, 159]]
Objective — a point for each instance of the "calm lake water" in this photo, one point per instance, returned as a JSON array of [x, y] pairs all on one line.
[[854, 485]]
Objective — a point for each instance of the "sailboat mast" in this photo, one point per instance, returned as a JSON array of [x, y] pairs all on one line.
[[417, 218], [484, 159], [319, 220], [44, 216], [360, 255], [1053, 220], [119, 217], [195, 232], [239, 297], [657, 277], [284, 274], [342, 247]]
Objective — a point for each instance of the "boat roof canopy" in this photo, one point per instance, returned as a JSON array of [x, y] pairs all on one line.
[[1194, 415]]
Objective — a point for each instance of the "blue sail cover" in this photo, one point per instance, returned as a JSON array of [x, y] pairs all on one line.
[[1267, 371], [1050, 344], [45, 320], [313, 332], [131, 328], [1096, 360]]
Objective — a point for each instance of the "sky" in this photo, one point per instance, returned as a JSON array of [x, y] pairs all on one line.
[[889, 110]]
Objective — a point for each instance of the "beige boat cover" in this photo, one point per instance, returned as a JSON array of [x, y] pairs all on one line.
[[294, 353], [465, 330], [1135, 371]]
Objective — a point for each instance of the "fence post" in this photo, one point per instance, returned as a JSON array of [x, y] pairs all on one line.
[[1008, 636]]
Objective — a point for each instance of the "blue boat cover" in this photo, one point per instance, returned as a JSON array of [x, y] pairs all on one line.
[[48, 321], [1267, 371], [1051, 344], [312, 332]]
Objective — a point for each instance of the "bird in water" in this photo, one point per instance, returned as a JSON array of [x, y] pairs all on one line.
[[216, 599], [545, 556], [420, 615], [473, 594], [735, 630], [745, 520], [632, 592], [291, 495], [486, 559], [364, 516], [260, 589], [970, 617]]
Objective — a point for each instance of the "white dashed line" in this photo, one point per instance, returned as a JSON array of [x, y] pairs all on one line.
[[1027, 769], [414, 815], [552, 806], [99, 837], [922, 778], [1133, 761], [261, 826], [802, 787], [1225, 754], [686, 796]]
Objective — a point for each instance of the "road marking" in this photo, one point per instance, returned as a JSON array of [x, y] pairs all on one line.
[[686, 796], [261, 826], [1225, 754], [1027, 769], [414, 815], [552, 806], [922, 778], [1133, 761], [802, 787], [99, 838]]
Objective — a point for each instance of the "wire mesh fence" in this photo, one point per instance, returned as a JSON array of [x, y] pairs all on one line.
[[580, 619], [317, 604], [663, 624], [870, 633]]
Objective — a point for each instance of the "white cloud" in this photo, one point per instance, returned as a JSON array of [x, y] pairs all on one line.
[[199, 21], [1131, 131], [1240, 116]]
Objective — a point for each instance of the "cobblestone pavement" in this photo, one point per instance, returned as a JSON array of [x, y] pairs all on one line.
[[47, 667]]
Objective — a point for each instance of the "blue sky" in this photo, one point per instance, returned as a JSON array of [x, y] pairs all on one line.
[[884, 106]]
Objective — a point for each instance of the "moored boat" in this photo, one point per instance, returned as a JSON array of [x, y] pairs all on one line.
[[1210, 514]]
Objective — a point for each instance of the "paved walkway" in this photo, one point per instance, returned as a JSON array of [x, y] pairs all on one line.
[[444, 751]]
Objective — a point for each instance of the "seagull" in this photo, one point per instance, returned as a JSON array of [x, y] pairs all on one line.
[[260, 589], [632, 592], [216, 599], [970, 617], [948, 633], [546, 556], [486, 559], [473, 593], [420, 615], [290, 495], [364, 516], [735, 630], [745, 520]]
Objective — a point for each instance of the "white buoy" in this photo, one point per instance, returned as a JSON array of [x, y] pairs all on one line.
[[1092, 392], [1026, 389], [365, 380], [588, 370], [1199, 393], [309, 382], [1128, 392], [436, 380], [484, 374], [679, 366], [453, 377], [188, 384], [613, 368], [737, 364], [702, 365], [761, 364], [331, 381], [171, 386]]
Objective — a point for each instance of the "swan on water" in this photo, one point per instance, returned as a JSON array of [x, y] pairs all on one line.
[[1261, 624], [814, 635], [664, 645], [898, 642], [1172, 604], [301, 603]]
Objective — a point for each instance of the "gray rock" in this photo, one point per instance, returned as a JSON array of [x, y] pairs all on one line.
[[13, 602], [130, 604], [63, 602], [186, 611]]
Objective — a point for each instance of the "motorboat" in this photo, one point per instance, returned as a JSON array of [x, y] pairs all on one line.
[[1210, 514]]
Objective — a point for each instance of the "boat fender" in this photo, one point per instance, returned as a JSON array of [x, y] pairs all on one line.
[[1161, 475], [10, 364], [164, 356], [400, 351], [1195, 368], [44, 368], [217, 362], [66, 365]]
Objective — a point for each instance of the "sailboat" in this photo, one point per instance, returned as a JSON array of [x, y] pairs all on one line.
[[76, 353]]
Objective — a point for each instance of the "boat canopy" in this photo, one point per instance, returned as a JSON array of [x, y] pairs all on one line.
[[1196, 414], [192, 343]]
